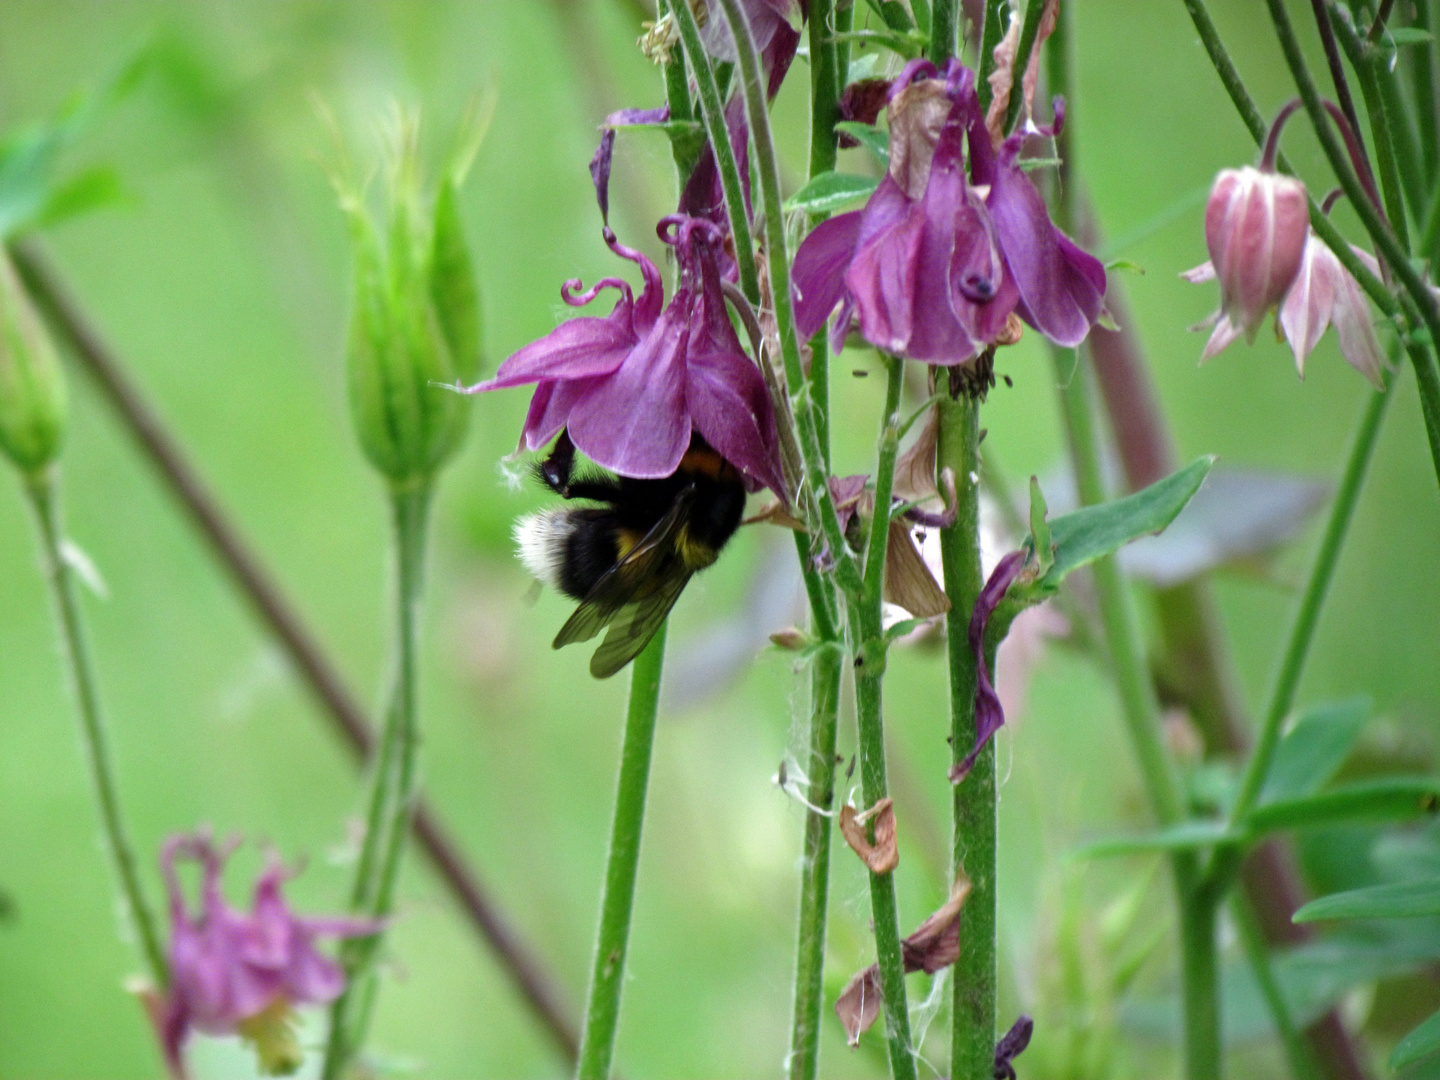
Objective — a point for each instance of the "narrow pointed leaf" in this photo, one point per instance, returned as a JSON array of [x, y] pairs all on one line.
[[1392, 799], [829, 192], [1183, 837], [1314, 749], [1421, 1042], [1095, 531], [1402, 900]]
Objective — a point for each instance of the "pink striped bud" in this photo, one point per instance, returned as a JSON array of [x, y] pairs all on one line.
[[1255, 227]]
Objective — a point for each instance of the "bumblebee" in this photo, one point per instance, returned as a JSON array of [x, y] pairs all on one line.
[[628, 559]]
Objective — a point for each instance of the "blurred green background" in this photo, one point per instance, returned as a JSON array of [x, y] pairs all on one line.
[[223, 282]]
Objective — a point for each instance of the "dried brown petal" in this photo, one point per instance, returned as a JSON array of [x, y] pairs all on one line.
[[882, 856], [861, 102], [915, 467], [917, 114], [935, 944], [1002, 78], [1013, 332], [775, 513], [908, 580]]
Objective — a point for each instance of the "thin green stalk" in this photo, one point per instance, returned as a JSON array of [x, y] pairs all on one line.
[[1307, 614], [973, 1009], [1422, 80], [826, 667], [1395, 150], [393, 787], [1430, 231], [1199, 975], [712, 111], [42, 489], [607, 978], [677, 97], [844, 19], [1257, 953], [804, 1060], [943, 28], [868, 639], [990, 35], [767, 169], [1141, 711]]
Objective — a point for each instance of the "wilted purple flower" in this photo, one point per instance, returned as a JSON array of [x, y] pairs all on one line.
[[989, 716], [1326, 294], [632, 386], [1011, 1045], [935, 262], [770, 25], [242, 973]]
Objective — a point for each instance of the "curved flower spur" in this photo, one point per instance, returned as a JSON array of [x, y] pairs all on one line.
[[668, 402]]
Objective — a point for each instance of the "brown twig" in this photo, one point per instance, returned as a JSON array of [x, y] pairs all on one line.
[[520, 964], [1196, 661]]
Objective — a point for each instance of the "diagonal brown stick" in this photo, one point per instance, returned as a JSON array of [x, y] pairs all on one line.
[[1196, 660], [520, 964]]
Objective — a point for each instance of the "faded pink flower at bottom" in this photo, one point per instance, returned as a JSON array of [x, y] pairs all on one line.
[[239, 973], [1326, 294]]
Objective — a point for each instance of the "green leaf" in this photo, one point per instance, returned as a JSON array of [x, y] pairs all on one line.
[[1392, 799], [829, 192], [906, 626], [1183, 837], [1403, 900], [91, 189], [871, 138], [1314, 748], [1410, 35], [1094, 531], [1421, 1042]]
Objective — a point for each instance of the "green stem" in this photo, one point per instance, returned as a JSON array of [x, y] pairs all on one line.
[[868, 639], [825, 672], [1422, 79], [1141, 711], [712, 110], [973, 1009], [1200, 976], [1307, 614], [677, 97], [1395, 151], [844, 18], [826, 668], [393, 787], [1257, 953], [943, 27], [607, 979], [1430, 230], [820, 505], [42, 489]]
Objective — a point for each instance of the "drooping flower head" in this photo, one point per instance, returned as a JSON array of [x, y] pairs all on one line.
[[937, 260], [1325, 294], [235, 972], [1256, 221], [632, 386]]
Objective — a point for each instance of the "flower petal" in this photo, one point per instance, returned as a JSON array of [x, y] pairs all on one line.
[[1310, 301], [818, 276], [989, 716]]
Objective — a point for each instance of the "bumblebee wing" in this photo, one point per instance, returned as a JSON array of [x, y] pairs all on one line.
[[635, 624], [644, 564]]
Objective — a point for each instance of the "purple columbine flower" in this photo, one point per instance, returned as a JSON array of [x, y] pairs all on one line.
[[234, 972], [989, 715], [936, 261], [631, 387]]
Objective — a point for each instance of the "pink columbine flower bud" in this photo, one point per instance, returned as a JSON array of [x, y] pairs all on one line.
[[1256, 222]]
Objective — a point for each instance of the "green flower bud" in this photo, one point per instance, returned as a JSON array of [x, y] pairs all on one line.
[[32, 391], [415, 328]]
